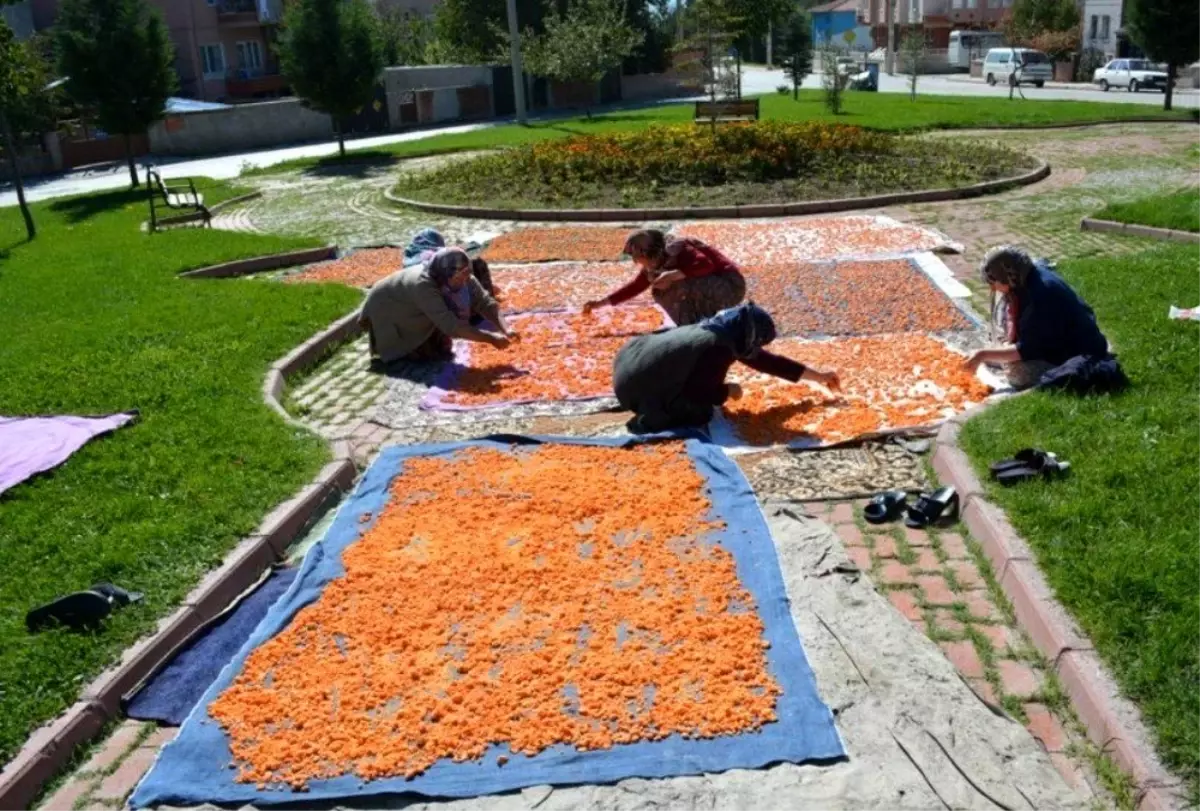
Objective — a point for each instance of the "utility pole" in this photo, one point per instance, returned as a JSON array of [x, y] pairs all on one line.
[[514, 41], [770, 38], [889, 62]]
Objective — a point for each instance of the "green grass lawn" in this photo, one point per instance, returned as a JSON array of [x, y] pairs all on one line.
[[94, 322], [1180, 211], [1117, 538], [885, 111]]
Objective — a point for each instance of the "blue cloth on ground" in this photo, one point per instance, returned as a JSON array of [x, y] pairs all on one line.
[[172, 693], [195, 767]]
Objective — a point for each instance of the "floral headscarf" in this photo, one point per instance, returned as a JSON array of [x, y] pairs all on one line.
[[441, 267], [745, 328]]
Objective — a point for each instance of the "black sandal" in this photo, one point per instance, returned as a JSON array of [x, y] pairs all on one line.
[[885, 507], [1026, 457], [83, 609], [932, 507], [1049, 469]]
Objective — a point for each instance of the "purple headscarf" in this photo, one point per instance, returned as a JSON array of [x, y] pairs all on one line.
[[441, 267]]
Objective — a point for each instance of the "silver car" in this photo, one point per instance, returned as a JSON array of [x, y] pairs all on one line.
[[1132, 74]]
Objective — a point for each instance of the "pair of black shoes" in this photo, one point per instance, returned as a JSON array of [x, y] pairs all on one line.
[[1028, 464], [929, 508]]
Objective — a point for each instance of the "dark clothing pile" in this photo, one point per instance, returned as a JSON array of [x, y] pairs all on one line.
[[674, 378], [1086, 374]]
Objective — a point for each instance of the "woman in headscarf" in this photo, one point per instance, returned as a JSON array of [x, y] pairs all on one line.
[[414, 313], [1048, 323], [674, 378], [687, 278]]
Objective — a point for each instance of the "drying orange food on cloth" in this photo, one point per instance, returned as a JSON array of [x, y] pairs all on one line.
[[891, 381], [360, 269], [557, 595], [578, 244], [560, 356], [791, 241], [858, 297], [526, 288]]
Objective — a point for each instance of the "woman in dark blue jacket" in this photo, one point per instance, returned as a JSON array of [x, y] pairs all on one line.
[[1048, 323]]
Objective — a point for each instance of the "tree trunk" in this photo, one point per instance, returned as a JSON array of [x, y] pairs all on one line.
[[337, 126], [1170, 91], [11, 148], [133, 175]]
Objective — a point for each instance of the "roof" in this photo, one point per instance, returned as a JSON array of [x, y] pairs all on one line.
[[836, 5]]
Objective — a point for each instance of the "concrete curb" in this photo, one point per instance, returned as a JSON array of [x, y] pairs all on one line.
[[1113, 723], [1131, 229], [233, 201], [49, 748], [1041, 172], [259, 264]]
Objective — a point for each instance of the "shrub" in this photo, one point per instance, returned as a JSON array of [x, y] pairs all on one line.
[[782, 89]]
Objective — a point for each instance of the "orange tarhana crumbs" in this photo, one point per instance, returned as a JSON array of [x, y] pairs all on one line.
[[810, 240], [893, 381], [360, 269], [560, 356], [868, 297], [582, 244], [554, 595], [547, 287]]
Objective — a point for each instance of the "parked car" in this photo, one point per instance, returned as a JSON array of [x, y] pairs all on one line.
[[1132, 74], [1017, 66]]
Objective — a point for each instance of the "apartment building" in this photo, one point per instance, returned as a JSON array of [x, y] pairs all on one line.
[[936, 17], [1102, 21]]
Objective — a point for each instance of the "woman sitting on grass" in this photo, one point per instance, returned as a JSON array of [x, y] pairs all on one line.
[[1048, 323], [414, 313], [688, 279], [674, 378]]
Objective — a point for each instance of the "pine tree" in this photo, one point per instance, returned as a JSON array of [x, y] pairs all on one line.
[[330, 52], [797, 50], [1166, 31], [119, 62]]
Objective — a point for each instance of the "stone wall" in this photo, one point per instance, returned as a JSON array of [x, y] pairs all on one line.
[[241, 127]]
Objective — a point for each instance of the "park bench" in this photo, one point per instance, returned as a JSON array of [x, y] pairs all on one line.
[[178, 196], [716, 112]]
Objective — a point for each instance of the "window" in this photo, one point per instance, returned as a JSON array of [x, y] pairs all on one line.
[[1092, 30], [212, 57], [249, 55], [1105, 21]]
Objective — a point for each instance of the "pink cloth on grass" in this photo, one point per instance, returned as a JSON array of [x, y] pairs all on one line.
[[32, 445]]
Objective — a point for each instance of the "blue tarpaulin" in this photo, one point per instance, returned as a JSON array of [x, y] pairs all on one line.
[[195, 767]]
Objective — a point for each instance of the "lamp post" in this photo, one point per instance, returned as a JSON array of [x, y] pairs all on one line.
[[514, 42]]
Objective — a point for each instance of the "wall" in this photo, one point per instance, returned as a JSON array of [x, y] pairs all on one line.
[[19, 18], [1099, 9], [442, 104], [828, 25], [245, 126], [654, 86]]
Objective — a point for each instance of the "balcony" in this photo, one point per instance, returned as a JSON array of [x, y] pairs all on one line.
[[237, 13], [241, 85]]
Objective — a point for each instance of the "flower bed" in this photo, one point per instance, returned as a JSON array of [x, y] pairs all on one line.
[[869, 297], [360, 269], [557, 244], [892, 381], [767, 161], [560, 356], [557, 287], [561, 595]]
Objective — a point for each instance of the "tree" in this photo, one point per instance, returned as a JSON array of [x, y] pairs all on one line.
[[119, 62], [1031, 18], [404, 36], [476, 31], [708, 28], [329, 50], [582, 44], [22, 77], [913, 51], [797, 50], [833, 80], [1166, 31]]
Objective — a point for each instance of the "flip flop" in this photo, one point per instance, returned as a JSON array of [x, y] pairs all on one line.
[[885, 507], [1026, 457], [932, 507], [1051, 469], [82, 609], [119, 596]]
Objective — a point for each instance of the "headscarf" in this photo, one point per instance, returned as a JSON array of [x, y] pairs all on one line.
[[745, 328], [441, 267], [424, 244]]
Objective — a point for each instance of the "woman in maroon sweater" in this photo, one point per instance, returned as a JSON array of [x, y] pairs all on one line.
[[690, 280]]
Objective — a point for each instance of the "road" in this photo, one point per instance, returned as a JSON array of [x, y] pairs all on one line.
[[755, 80]]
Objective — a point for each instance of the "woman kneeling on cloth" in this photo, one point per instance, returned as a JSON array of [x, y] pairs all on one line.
[[675, 377], [688, 279], [415, 313], [1049, 325]]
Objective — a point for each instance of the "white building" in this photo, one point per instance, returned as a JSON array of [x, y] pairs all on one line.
[[1102, 19]]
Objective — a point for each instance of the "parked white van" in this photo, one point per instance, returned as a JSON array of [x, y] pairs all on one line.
[[1017, 66]]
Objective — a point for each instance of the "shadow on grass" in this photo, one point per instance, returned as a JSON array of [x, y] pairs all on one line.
[[354, 164], [78, 209]]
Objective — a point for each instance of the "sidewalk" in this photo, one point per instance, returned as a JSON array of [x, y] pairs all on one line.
[[964, 79]]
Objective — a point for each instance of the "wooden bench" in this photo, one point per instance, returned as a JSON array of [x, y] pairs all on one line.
[[179, 196], [717, 112]]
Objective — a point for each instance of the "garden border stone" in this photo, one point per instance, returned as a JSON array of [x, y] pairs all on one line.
[[1112, 722], [1041, 172], [50, 747], [1135, 230], [259, 264]]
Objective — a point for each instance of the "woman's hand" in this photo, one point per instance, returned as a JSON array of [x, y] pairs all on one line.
[[665, 280], [827, 379], [497, 340], [976, 360], [734, 391], [589, 306]]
